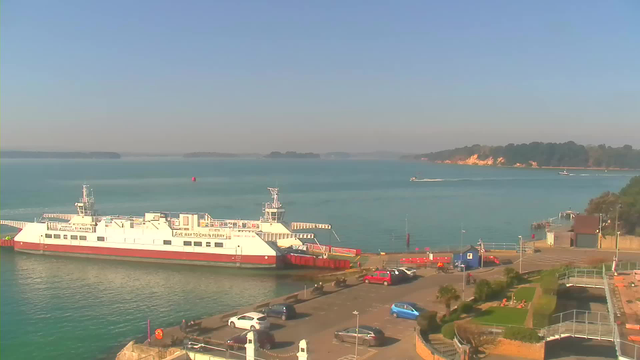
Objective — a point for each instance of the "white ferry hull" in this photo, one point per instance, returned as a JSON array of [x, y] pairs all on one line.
[[173, 257]]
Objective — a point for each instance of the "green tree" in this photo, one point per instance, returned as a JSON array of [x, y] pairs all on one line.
[[511, 276], [483, 290], [447, 294]]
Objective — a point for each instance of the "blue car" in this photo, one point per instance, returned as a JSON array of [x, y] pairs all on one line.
[[407, 310]]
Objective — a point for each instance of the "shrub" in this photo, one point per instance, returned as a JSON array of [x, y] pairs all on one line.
[[465, 307], [449, 331], [542, 310], [520, 334], [498, 288], [512, 277], [428, 322], [455, 316], [483, 290]]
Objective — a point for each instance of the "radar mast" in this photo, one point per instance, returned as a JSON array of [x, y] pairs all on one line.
[[86, 205]]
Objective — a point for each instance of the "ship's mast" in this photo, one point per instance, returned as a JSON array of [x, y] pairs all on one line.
[[86, 205]]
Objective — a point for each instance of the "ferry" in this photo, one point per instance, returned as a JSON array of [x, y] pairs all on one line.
[[188, 238]]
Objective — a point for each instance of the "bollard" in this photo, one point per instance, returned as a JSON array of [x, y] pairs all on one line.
[[305, 291], [303, 350], [250, 347]]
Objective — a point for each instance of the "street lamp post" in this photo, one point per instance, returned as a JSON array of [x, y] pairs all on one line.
[[520, 254], [464, 280], [357, 314], [617, 232]]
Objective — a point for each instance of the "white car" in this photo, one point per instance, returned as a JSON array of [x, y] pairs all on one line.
[[250, 321], [409, 270]]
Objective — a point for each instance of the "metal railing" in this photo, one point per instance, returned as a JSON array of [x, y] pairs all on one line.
[[580, 323], [625, 349], [582, 277], [507, 246], [206, 349]]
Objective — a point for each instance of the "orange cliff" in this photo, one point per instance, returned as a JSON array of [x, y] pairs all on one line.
[[473, 160]]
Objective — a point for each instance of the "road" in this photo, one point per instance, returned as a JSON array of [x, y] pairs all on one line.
[[320, 317]]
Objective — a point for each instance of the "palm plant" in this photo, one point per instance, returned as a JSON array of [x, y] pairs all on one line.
[[447, 294]]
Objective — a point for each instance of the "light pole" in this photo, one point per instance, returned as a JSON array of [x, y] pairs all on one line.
[[617, 232], [520, 254], [464, 268], [357, 314]]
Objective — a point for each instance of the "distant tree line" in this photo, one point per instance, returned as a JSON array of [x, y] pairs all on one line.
[[10, 154], [568, 154], [291, 155], [627, 202]]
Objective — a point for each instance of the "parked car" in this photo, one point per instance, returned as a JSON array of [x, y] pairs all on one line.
[[282, 311], [366, 335], [407, 310], [409, 271], [263, 338], [380, 277], [399, 274], [250, 321]]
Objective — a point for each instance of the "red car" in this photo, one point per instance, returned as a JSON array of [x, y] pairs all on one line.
[[383, 277]]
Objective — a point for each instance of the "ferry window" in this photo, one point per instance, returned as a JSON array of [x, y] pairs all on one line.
[[208, 244], [185, 221], [64, 236], [56, 236], [197, 243], [74, 237], [219, 244], [100, 238], [48, 236], [83, 237], [186, 243], [166, 242]]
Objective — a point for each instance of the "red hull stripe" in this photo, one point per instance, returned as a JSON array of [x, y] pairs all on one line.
[[149, 254]]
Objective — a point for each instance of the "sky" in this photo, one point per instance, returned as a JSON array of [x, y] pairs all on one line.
[[260, 76]]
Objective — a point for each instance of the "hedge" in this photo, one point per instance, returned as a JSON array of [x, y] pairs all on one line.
[[520, 334], [449, 331], [465, 307], [543, 307]]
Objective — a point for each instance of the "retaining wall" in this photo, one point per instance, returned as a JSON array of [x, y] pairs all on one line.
[[624, 243], [518, 349]]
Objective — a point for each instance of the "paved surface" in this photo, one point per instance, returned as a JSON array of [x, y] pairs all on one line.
[[322, 316]]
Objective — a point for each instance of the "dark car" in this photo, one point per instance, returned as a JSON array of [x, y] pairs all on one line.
[[366, 335], [282, 311], [264, 339]]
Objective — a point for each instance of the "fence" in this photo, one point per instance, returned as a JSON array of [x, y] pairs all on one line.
[[625, 350], [215, 351], [582, 277], [580, 323], [507, 247]]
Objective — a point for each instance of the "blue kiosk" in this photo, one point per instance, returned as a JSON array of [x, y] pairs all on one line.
[[469, 257]]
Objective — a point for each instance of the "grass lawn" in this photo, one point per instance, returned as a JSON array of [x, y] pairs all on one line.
[[525, 292], [502, 316]]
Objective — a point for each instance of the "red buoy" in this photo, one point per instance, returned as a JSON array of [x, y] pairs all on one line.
[[193, 179]]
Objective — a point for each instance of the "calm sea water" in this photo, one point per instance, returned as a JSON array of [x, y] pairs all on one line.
[[84, 309]]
